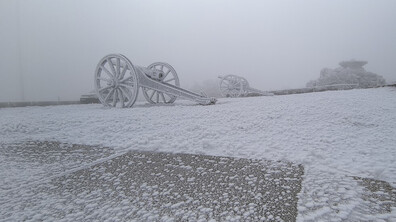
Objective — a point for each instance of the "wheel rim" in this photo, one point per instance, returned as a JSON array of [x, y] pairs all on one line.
[[231, 86], [245, 85], [116, 82], [170, 77]]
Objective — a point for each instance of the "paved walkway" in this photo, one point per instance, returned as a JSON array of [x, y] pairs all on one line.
[[145, 186]]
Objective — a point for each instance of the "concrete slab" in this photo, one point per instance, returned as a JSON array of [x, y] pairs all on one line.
[[160, 187]]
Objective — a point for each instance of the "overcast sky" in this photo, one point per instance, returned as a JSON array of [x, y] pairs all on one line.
[[49, 48]]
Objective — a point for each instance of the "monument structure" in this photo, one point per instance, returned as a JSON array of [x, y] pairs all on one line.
[[349, 72]]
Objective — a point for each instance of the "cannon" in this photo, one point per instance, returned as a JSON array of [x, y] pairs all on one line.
[[117, 83], [237, 86]]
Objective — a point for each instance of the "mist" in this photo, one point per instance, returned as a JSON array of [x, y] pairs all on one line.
[[49, 49]]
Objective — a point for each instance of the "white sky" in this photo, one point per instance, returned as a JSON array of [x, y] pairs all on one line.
[[55, 45]]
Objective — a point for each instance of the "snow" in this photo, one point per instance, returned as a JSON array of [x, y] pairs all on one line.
[[335, 135]]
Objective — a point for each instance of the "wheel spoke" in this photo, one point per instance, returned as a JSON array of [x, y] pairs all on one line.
[[115, 97], [125, 93], [118, 67], [126, 79], [125, 85], [112, 67], [152, 94], [163, 97], [107, 87], [108, 95], [104, 79], [226, 85], [166, 74], [170, 80], [121, 97], [107, 71], [123, 71]]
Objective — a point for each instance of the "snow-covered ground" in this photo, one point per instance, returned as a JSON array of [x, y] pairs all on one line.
[[336, 135]]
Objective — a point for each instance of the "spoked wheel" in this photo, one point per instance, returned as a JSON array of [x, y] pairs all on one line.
[[231, 86], [245, 83], [168, 75], [116, 81]]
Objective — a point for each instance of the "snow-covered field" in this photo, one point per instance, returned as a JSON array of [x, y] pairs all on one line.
[[336, 135]]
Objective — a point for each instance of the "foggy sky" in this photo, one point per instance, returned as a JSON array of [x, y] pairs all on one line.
[[50, 48]]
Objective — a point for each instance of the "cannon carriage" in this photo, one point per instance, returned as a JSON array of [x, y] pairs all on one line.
[[237, 86], [117, 83]]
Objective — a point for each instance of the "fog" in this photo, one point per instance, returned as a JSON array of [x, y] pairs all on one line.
[[49, 49]]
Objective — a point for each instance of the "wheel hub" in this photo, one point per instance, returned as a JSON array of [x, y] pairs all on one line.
[[115, 83], [157, 74]]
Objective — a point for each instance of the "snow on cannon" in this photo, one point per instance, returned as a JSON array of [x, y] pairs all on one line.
[[236, 86], [117, 83]]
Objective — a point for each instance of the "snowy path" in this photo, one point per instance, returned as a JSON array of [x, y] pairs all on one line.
[[335, 135]]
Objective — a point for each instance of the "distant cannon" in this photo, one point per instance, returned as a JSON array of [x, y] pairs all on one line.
[[117, 83], [236, 86]]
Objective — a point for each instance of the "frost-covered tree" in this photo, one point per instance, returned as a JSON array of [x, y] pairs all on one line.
[[349, 72]]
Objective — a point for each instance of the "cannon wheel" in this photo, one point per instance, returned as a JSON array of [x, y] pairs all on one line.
[[116, 82], [245, 83], [231, 86], [169, 77]]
